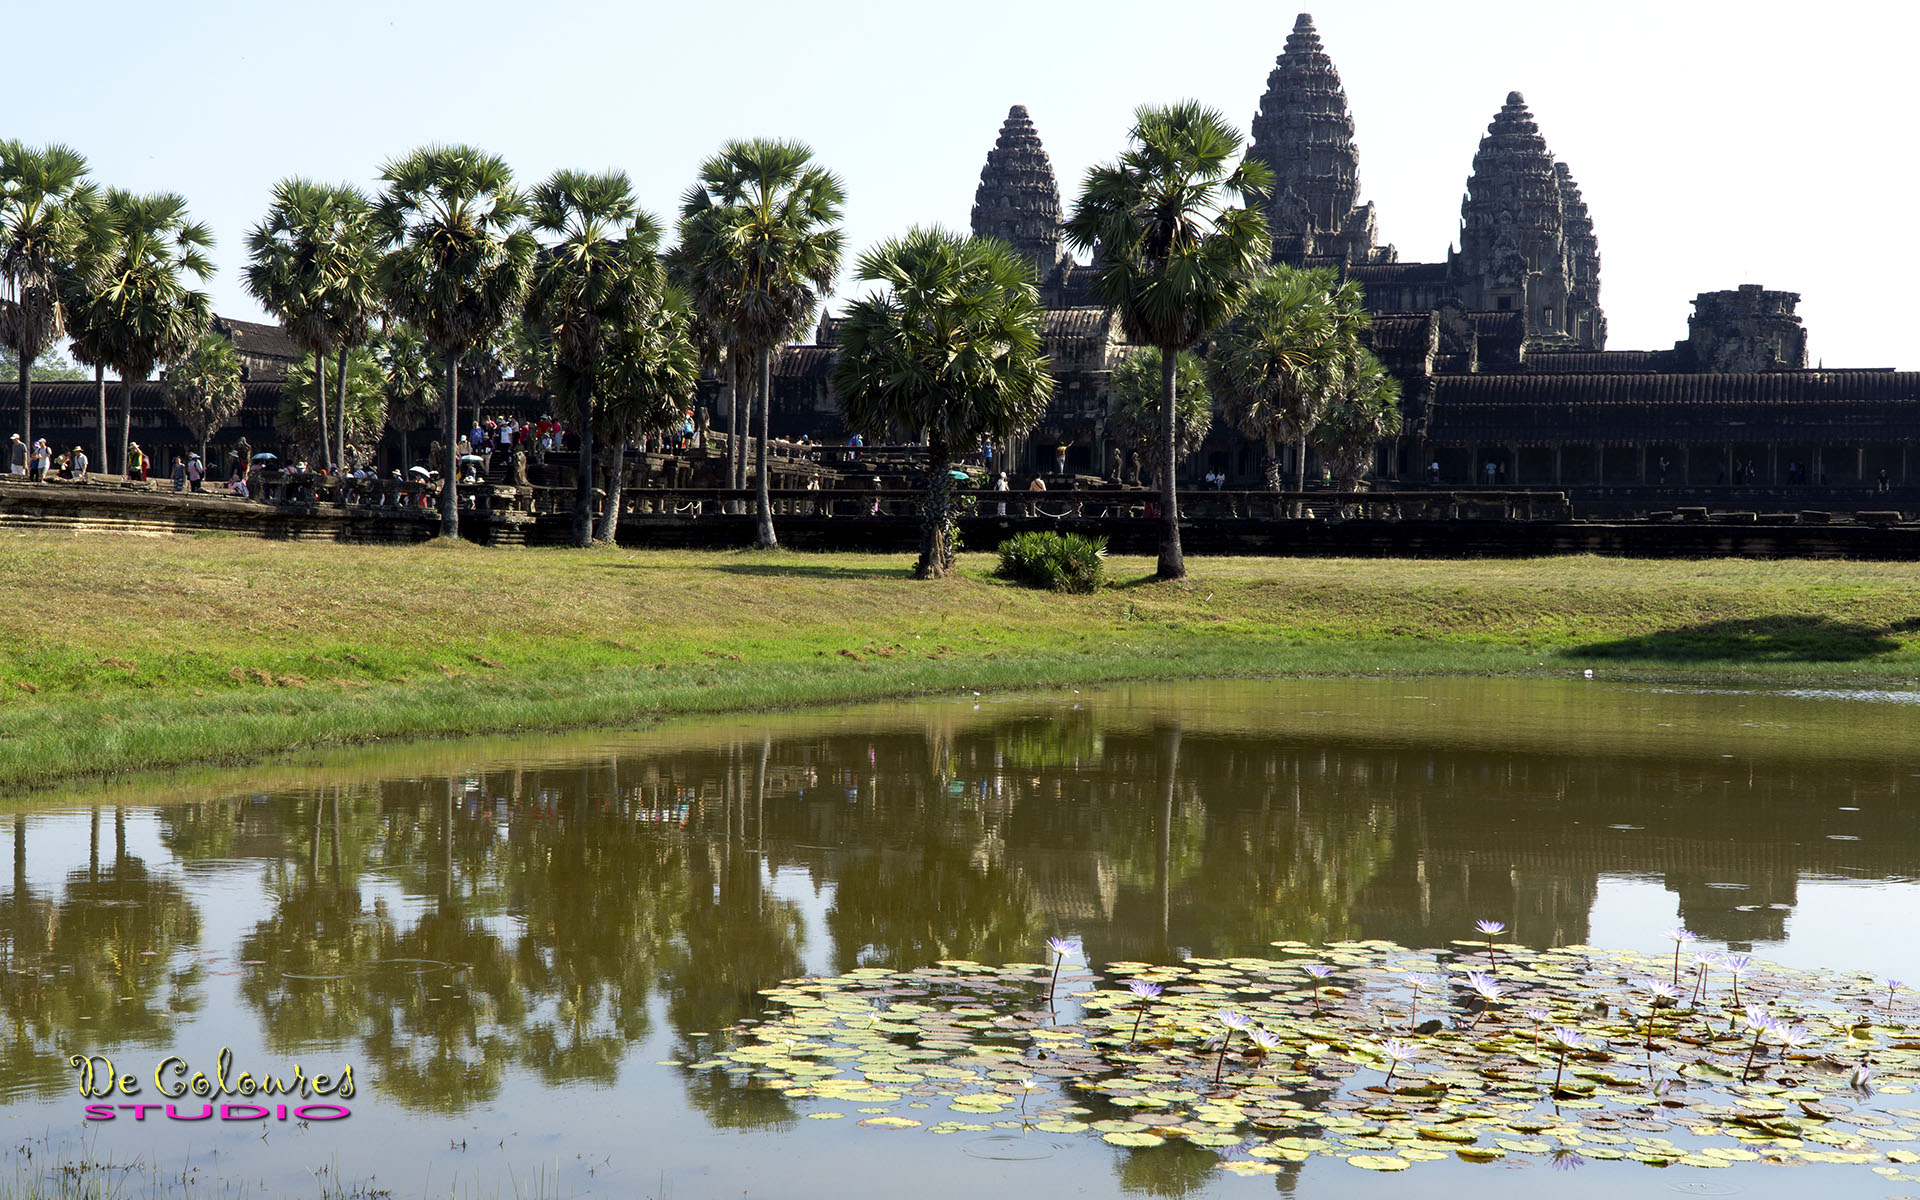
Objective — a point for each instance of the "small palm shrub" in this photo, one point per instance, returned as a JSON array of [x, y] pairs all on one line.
[[1060, 562]]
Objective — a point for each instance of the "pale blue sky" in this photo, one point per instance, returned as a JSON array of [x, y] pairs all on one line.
[[1716, 143]]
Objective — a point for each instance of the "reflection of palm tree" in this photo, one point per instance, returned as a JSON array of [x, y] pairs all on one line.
[[95, 969]]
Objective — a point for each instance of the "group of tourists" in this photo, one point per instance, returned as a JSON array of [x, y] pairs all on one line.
[[38, 462]]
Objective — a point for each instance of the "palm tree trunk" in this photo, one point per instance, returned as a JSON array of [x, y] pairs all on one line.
[[126, 418], [450, 482], [320, 390], [100, 398], [1300, 472], [340, 409], [763, 503], [609, 530], [26, 402], [936, 546], [1272, 468], [1173, 565], [736, 423], [583, 484], [610, 514]]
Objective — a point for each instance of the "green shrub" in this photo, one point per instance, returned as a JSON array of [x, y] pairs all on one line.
[[1060, 562]]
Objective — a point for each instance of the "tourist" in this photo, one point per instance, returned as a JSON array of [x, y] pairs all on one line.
[[1883, 484], [1000, 485], [1433, 474], [1663, 469], [1060, 459], [77, 465], [136, 463], [41, 458], [179, 474], [237, 484], [17, 457], [196, 471]]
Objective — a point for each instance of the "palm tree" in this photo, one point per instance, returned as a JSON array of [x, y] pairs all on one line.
[[1353, 426], [45, 200], [314, 266], [759, 246], [360, 408], [412, 383], [646, 381], [1134, 421], [90, 324], [599, 276], [952, 347], [1286, 356], [144, 312], [457, 268], [206, 386], [1172, 257]]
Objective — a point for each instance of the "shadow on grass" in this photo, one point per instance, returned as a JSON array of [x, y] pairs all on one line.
[[1802, 639], [817, 571]]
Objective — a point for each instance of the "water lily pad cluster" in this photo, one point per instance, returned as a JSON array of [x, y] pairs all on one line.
[[1370, 1052]]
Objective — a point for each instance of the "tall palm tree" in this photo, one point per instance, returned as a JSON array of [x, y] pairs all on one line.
[[457, 267], [45, 200], [90, 324], [313, 265], [646, 381], [144, 311], [760, 246], [952, 347], [1286, 356], [600, 274], [1172, 256]]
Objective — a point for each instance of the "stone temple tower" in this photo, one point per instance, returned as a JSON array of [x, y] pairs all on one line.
[[1304, 133], [1526, 241], [1586, 323], [1018, 200]]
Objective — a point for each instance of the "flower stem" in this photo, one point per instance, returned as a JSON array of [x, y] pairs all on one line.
[[1220, 1067], [1137, 1020], [1751, 1051]]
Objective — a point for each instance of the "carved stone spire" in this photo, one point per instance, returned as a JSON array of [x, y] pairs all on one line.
[[1586, 323], [1018, 200], [1513, 250], [1304, 133]]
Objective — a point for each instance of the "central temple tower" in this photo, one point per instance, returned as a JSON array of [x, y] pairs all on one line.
[[1526, 240], [1304, 133]]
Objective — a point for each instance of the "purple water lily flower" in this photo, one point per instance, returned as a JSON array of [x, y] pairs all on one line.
[[1490, 928], [1060, 947], [1145, 992]]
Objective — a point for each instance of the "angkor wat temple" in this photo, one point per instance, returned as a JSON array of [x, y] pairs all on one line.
[[1500, 348]]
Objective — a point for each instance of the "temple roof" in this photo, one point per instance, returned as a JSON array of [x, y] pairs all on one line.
[[1593, 362], [258, 340], [1834, 407]]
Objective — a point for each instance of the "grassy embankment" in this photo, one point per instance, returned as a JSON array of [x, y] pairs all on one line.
[[125, 654]]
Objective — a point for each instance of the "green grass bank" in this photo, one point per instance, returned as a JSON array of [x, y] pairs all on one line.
[[131, 654]]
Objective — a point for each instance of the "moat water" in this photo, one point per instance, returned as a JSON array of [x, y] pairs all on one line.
[[519, 946]]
